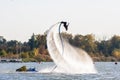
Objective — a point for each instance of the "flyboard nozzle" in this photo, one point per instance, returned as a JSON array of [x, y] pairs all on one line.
[[65, 24]]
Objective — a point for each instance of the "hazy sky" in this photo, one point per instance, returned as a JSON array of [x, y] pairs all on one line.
[[19, 19]]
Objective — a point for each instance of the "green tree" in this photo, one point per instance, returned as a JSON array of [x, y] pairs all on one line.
[[40, 40], [115, 42], [78, 41], [31, 42], [104, 47], [116, 53], [89, 42], [3, 53]]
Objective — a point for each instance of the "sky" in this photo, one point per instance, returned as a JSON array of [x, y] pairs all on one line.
[[19, 19]]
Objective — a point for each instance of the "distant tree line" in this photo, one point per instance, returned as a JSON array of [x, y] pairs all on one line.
[[104, 50], [35, 48]]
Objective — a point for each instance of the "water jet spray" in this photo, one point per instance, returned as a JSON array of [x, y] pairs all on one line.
[[74, 60]]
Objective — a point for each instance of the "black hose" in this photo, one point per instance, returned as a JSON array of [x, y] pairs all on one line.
[[61, 38]]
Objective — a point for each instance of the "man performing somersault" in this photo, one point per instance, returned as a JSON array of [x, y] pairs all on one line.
[[67, 58]]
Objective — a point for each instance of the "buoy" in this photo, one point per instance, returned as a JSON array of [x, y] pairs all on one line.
[[116, 63]]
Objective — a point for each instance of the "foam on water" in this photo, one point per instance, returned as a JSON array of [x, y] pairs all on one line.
[[72, 60]]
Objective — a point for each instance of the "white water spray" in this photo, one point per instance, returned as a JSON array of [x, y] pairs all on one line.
[[71, 60]]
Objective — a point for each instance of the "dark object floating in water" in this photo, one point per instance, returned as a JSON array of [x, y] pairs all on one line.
[[24, 69], [116, 63]]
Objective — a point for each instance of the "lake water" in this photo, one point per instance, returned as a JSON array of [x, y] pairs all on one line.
[[106, 71]]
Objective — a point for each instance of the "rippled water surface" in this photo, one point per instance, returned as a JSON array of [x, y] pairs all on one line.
[[106, 71]]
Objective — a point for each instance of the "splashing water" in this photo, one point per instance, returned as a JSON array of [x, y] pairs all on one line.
[[73, 60]]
